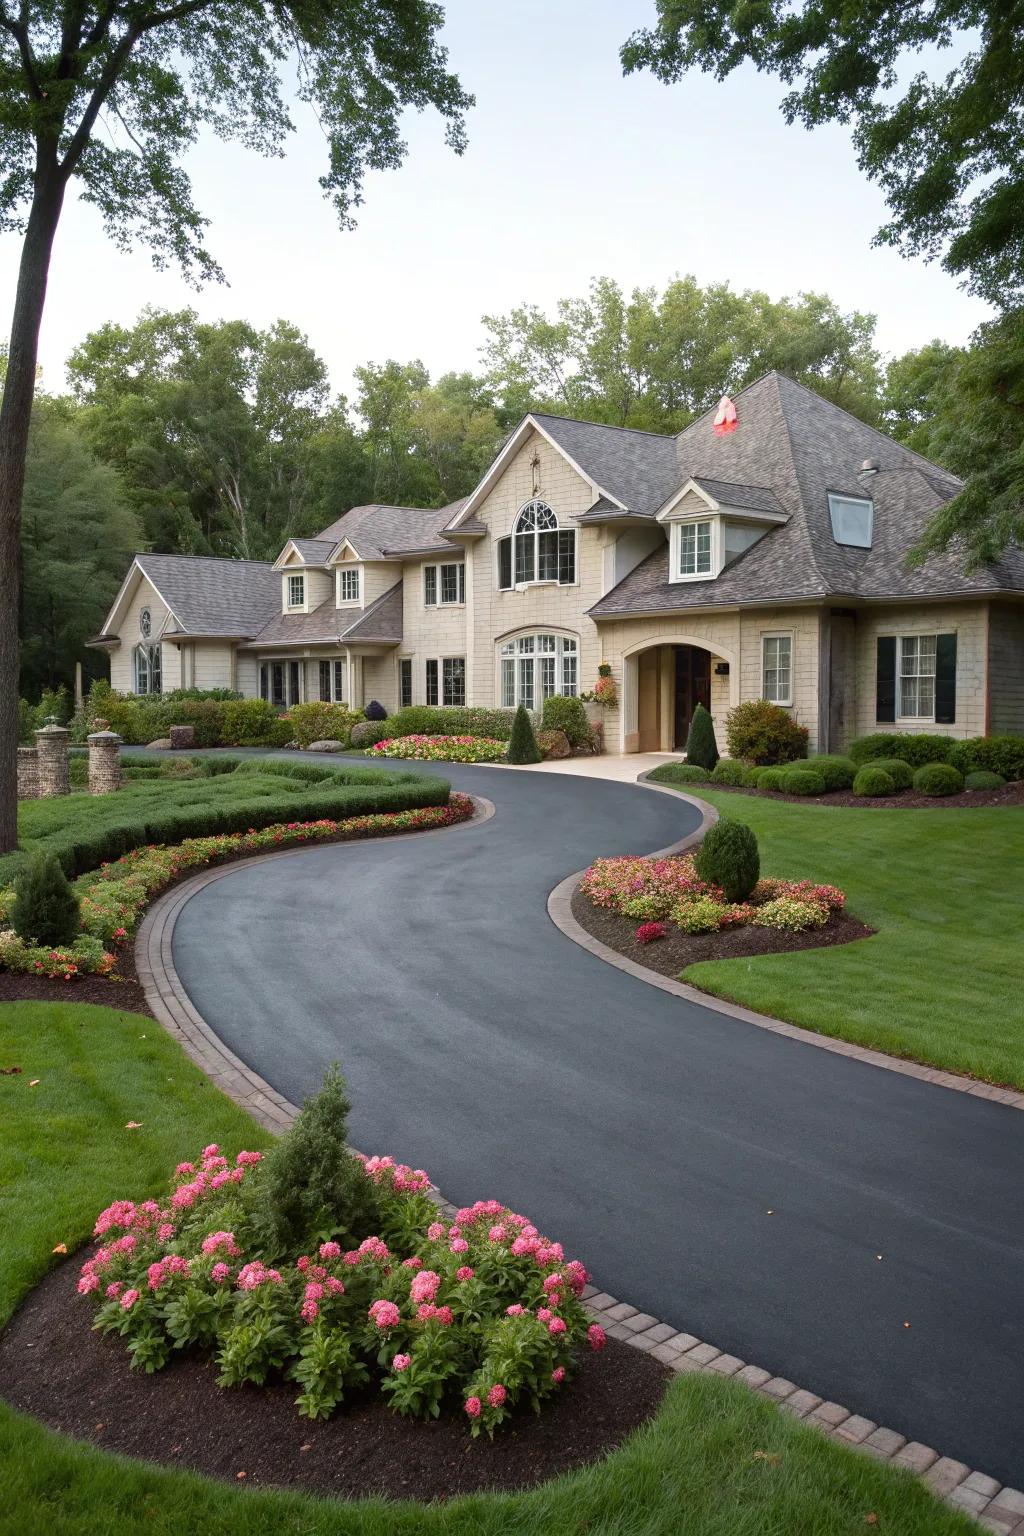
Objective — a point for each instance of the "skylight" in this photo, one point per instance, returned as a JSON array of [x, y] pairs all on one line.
[[853, 519]]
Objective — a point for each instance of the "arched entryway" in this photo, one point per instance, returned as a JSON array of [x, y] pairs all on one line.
[[664, 683]]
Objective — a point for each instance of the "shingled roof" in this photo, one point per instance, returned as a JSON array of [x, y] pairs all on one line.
[[378, 532], [212, 596]]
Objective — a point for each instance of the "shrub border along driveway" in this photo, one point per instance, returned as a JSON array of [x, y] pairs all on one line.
[[972, 1492]]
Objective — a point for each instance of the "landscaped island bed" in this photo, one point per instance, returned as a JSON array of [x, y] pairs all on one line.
[[716, 1455]]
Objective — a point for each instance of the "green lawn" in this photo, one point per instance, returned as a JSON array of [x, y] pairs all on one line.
[[940, 981], [718, 1461], [230, 795]]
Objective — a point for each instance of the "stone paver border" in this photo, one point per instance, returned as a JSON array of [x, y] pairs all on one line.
[[997, 1508], [561, 914]]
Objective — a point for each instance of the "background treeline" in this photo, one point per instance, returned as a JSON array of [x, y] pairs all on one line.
[[218, 438]]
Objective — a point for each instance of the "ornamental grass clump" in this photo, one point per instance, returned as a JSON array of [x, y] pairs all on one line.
[[482, 1314], [522, 747], [701, 746], [45, 907], [728, 858]]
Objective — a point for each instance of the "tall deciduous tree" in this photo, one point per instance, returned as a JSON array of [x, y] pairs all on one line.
[[946, 144], [151, 75]]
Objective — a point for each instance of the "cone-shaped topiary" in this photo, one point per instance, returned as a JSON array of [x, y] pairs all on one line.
[[45, 909], [728, 858], [313, 1187], [701, 746], [522, 747]]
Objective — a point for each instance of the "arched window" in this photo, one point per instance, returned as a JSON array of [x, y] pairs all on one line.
[[148, 669], [537, 549], [533, 667]]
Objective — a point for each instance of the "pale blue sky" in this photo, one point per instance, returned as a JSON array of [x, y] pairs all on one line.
[[571, 172]]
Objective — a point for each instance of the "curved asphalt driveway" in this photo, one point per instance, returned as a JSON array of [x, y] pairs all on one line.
[[649, 1134]]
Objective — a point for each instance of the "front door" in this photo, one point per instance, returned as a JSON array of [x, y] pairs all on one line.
[[693, 687]]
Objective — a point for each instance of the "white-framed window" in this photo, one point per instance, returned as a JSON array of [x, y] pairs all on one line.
[[694, 545], [853, 519], [444, 585], [332, 680], [349, 584], [533, 667], [446, 680], [537, 550], [295, 590], [148, 668], [777, 668], [915, 677]]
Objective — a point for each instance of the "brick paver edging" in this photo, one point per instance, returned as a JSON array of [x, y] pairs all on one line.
[[561, 914], [999, 1509]]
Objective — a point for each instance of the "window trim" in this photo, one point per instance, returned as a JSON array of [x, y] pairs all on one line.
[[290, 605], [566, 642], [508, 542], [439, 600], [901, 639], [150, 650], [348, 602], [714, 524], [337, 680], [778, 634]]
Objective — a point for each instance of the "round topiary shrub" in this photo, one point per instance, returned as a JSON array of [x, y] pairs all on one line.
[[801, 781], [729, 770], [838, 772], [366, 733], [701, 746], [872, 781], [375, 711], [938, 779], [687, 773], [768, 778], [45, 909], [728, 858], [900, 772], [984, 780]]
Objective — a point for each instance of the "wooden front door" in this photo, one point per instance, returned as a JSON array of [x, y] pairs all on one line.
[[649, 700], [693, 687]]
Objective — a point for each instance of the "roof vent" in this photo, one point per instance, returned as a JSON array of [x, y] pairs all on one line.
[[869, 467]]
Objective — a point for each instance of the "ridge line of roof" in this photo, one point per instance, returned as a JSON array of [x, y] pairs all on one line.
[[608, 426], [170, 554]]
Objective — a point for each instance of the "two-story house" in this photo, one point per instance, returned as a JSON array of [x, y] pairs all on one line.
[[765, 560]]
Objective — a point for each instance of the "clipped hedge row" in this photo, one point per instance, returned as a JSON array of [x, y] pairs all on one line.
[[441, 720], [978, 754], [85, 832]]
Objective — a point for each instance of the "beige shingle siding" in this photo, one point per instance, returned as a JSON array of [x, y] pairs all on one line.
[[495, 615], [1006, 667], [437, 631], [380, 680], [121, 661], [211, 664], [968, 621], [379, 576]]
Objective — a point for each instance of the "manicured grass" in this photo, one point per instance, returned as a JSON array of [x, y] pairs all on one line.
[[717, 1461], [231, 796], [940, 981]]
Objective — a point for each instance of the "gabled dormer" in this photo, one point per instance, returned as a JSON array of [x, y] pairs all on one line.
[[305, 579], [711, 522], [348, 575]]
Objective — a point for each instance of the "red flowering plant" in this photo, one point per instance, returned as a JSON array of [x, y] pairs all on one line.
[[482, 1311], [660, 890], [647, 933]]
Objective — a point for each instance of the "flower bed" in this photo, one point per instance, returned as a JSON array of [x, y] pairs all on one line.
[[114, 897], [442, 749], [484, 1311], [659, 890]]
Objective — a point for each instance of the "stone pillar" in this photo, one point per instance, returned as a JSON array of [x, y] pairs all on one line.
[[104, 762], [28, 774], [52, 758]]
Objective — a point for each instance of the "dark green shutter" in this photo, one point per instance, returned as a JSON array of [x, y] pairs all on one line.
[[885, 679], [945, 679], [504, 564]]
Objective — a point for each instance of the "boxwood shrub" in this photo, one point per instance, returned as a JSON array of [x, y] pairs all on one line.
[[838, 772], [938, 779], [441, 720], [801, 781], [915, 748], [729, 770], [991, 754], [680, 773], [872, 781], [900, 772], [767, 778], [983, 780], [728, 857]]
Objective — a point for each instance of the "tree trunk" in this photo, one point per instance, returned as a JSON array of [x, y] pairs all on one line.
[[15, 415]]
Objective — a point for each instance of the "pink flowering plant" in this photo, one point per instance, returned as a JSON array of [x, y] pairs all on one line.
[[669, 890], [481, 1313], [442, 749]]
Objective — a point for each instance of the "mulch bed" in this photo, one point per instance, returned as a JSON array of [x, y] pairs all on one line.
[[1010, 794], [670, 955], [121, 989], [53, 1366]]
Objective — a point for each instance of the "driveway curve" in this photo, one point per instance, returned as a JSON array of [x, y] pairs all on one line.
[[796, 1207]]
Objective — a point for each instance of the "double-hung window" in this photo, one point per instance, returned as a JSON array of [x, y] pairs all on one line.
[[533, 667], [444, 584], [296, 590], [349, 584], [777, 668], [537, 550], [916, 698], [694, 549]]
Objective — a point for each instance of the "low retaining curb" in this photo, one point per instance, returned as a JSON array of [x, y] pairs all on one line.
[[999, 1509]]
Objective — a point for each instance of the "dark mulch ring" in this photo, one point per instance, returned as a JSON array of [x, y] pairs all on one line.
[[121, 989], [53, 1366], [677, 950], [1010, 794]]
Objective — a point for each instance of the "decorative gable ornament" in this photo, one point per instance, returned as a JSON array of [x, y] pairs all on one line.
[[725, 417]]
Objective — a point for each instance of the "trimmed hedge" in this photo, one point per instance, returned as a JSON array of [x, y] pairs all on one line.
[[216, 722], [915, 748], [990, 754], [838, 772], [85, 831], [938, 779], [729, 770], [449, 720], [900, 772], [560, 713], [983, 780], [769, 778], [320, 721], [872, 781], [801, 781]]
